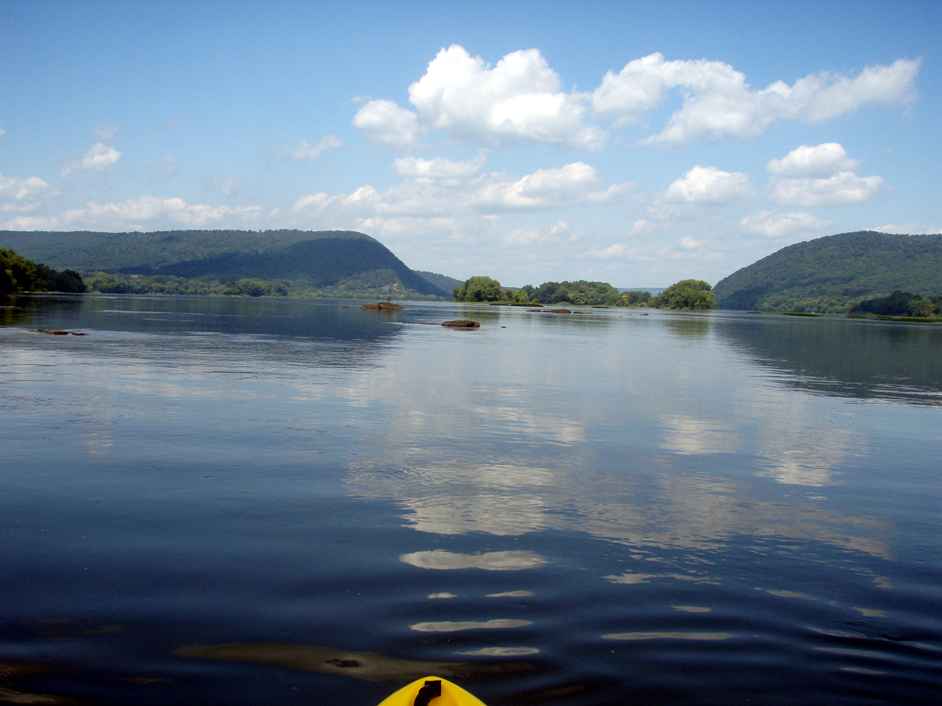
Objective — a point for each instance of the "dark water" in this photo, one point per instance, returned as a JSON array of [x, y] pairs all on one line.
[[251, 502]]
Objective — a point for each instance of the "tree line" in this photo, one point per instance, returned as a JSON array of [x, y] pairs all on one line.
[[17, 274], [687, 294], [900, 304]]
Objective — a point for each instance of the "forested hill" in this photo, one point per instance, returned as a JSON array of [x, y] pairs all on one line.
[[319, 258], [835, 272]]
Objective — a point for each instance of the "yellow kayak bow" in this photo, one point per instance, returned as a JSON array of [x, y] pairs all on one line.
[[432, 691]]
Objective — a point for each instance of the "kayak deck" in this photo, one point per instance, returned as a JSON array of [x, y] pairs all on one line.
[[432, 691]]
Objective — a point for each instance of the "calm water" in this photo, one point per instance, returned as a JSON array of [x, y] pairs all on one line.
[[271, 502]]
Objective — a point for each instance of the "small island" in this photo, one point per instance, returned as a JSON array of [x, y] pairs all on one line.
[[687, 294]]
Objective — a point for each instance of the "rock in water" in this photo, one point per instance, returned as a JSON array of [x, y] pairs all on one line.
[[381, 306], [461, 323]]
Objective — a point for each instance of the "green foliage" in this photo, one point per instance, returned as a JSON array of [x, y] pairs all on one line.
[[692, 294], [636, 298], [479, 289], [581, 292], [443, 282], [900, 304], [17, 274], [834, 273], [325, 259], [353, 288]]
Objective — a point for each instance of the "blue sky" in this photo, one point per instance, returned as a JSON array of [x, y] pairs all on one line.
[[636, 143]]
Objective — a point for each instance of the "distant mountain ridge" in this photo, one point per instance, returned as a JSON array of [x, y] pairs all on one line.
[[835, 272], [320, 258]]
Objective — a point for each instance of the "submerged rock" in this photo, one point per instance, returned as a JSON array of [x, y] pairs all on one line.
[[381, 306], [59, 332], [551, 311], [461, 323]]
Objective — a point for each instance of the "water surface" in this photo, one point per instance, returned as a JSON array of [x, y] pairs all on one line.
[[230, 501]]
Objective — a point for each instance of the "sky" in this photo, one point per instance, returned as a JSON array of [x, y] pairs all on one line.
[[631, 142]]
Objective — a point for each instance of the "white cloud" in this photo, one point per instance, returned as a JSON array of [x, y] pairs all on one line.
[[813, 160], [718, 101], [615, 250], [98, 157], [708, 185], [828, 95], [518, 98], [778, 225], [642, 226], [313, 150], [386, 122], [132, 212], [21, 188], [432, 169], [29, 223], [691, 243], [908, 229], [555, 233], [839, 189], [489, 193], [545, 188], [521, 98], [17, 207]]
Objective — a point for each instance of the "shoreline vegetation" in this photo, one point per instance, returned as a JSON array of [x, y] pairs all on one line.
[[688, 294], [21, 276]]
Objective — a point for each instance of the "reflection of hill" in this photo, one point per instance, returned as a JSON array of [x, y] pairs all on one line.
[[845, 358], [324, 334]]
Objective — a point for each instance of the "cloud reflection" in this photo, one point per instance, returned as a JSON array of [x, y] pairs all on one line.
[[465, 625], [441, 560]]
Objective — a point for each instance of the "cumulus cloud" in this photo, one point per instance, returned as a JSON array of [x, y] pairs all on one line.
[[424, 196], [708, 185], [313, 150], [21, 188], [450, 200], [718, 101], [98, 157], [779, 225], [438, 168], [545, 188], [520, 97], [813, 160], [818, 175], [839, 189], [386, 122]]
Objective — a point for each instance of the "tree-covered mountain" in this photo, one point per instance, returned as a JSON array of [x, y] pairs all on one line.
[[833, 273], [17, 274], [443, 282], [338, 260]]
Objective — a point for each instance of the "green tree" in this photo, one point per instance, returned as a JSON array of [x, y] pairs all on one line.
[[17, 274], [693, 294], [479, 289]]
